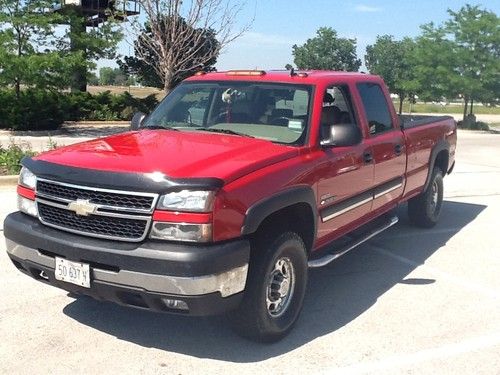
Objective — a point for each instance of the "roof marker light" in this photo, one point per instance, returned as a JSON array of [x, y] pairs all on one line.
[[245, 73]]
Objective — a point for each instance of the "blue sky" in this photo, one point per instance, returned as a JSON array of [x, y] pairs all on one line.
[[279, 24]]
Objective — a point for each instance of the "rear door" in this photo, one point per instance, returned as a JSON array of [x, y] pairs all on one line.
[[387, 144]]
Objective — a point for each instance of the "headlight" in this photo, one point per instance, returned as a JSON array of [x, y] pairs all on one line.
[[187, 200], [27, 179]]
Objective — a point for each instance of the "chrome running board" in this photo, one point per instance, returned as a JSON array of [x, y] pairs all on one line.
[[328, 258]]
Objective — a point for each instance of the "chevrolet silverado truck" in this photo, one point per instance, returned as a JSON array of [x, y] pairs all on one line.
[[222, 198]]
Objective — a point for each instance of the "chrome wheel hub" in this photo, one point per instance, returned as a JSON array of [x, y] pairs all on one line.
[[280, 287]]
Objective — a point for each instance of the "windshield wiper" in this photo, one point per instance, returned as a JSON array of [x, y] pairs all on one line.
[[156, 127], [224, 131]]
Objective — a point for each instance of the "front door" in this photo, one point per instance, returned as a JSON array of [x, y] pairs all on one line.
[[344, 190]]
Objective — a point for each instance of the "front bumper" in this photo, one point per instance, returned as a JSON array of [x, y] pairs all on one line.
[[210, 279]]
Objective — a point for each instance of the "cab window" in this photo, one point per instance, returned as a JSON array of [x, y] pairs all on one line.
[[376, 109]]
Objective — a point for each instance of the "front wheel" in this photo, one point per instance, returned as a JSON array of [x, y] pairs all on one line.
[[275, 290], [424, 209]]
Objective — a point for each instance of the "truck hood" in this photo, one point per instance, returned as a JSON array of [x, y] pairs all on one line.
[[177, 154]]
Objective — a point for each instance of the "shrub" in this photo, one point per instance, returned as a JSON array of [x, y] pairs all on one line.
[[10, 157], [471, 123], [33, 110], [47, 110]]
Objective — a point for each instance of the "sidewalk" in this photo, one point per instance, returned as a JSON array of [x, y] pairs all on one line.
[[69, 133]]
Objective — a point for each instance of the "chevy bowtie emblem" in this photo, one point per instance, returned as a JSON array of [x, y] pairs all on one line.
[[82, 207]]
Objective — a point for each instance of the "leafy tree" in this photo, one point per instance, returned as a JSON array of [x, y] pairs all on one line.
[[435, 63], [392, 59], [460, 57], [35, 53], [90, 43], [327, 51], [476, 33], [26, 56], [180, 38], [112, 76], [92, 79]]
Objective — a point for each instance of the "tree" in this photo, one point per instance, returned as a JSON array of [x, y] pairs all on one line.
[[460, 57], [106, 76], [90, 43], [392, 59], [327, 51], [435, 63], [112, 77], [476, 33], [178, 37], [26, 53], [92, 79], [146, 63], [36, 52]]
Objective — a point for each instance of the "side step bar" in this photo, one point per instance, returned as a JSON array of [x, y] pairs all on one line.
[[328, 258]]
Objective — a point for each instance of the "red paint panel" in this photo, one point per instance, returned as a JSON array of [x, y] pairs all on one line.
[[25, 192], [175, 154], [182, 217]]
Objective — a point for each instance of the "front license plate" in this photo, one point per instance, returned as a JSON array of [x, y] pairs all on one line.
[[73, 272]]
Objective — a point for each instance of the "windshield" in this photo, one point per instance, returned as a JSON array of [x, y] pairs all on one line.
[[271, 111]]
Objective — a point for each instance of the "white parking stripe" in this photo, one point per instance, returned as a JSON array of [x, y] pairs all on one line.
[[469, 285], [411, 359]]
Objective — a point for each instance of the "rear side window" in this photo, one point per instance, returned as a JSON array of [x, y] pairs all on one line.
[[377, 111]]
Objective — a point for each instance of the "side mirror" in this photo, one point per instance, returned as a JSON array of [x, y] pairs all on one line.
[[342, 135], [137, 120]]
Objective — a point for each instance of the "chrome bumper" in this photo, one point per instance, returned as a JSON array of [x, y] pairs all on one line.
[[226, 283]]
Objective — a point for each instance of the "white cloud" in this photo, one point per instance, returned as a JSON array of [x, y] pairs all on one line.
[[366, 8]]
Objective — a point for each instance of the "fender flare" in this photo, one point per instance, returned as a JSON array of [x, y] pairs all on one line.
[[441, 145], [259, 211]]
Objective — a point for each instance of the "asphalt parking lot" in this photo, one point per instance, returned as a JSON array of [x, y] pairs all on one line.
[[409, 301]]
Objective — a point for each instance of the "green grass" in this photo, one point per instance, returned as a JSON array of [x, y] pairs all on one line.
[[138, 92], [450, 108]]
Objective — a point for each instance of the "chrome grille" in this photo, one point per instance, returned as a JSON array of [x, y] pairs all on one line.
[[102, 197], [118, 215], [107, 226]]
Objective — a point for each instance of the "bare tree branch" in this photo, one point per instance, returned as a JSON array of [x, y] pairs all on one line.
[[178, 32]]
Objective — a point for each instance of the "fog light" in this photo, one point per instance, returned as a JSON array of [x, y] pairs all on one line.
[[181, 232], [175, 304], [27, 206]]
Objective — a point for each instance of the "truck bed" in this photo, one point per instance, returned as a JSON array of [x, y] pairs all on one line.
[[412, 121]]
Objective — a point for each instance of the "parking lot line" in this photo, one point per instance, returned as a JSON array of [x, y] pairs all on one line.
[[469, 285], [411, 359]]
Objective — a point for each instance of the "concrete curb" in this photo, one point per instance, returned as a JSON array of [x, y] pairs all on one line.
[[10, 180]]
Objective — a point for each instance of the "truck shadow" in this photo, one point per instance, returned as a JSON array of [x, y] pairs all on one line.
[[336, 295]]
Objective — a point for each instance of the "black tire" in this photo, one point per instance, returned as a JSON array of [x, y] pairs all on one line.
[[424, 210], [254, 319]]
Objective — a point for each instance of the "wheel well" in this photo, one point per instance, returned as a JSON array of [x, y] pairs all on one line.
[[442, 161], [297, 218]]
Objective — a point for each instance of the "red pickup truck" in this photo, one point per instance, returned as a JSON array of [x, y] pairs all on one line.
[[223, 197]]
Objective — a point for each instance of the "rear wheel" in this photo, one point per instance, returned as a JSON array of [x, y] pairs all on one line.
[[424, 210], [275, 289]]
